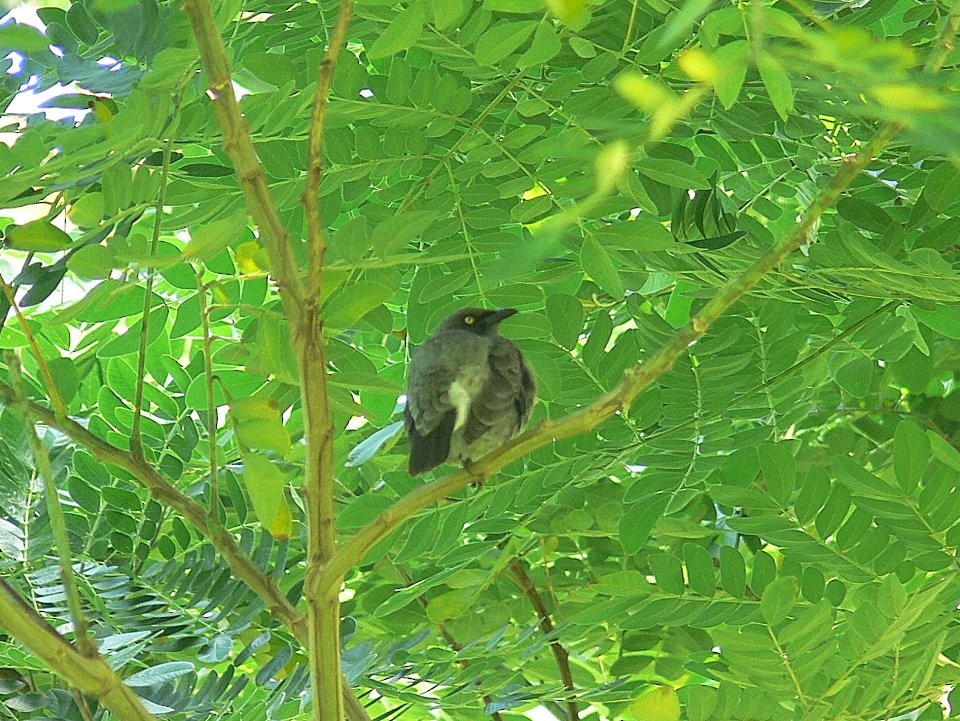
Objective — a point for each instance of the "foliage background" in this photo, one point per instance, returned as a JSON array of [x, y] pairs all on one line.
[[771, 530]]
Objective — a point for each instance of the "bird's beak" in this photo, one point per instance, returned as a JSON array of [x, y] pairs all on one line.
[[499, 315]]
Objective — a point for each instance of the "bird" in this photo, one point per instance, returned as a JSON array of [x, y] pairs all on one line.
[[469, 391]]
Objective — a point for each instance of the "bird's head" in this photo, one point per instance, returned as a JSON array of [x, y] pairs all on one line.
[[477, 320]]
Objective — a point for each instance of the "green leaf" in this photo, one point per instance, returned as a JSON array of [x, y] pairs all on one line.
[[209, 239], [700, 573], [87, 210], [129, 342], [361, 511], [638, 520], [864, 214], [764, 572], [674, 173], [596, 263], [834, 511], [733, 572], [940, 187], [188, 316], [642, 234], [777, 83], [944, 320], [778, 599], [566, 318], [545, 46], [91, 262], [38, 236], [502, 39], [402, 32], [911, 453], [943, 451], [779, 471], [677, 313], [732, 60], [353, 302], [855, 377], [668, 571], [23, 37]]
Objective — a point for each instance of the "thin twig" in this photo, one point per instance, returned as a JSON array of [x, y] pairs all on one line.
[[560, 654], [239, 147], [136, 438], [214, 509], [81, 628], [53, 390], [316, 233]]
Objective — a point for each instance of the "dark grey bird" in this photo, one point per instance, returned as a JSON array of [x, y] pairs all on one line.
[[469, 391]]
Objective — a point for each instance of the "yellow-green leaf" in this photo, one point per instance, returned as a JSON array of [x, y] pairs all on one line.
[[660, 703], [265, 484], [209, 239], [777, 83], [38, 236]]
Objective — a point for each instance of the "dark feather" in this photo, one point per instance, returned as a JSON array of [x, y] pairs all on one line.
[[429, 450]]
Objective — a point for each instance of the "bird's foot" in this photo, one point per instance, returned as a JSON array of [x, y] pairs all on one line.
[[478, 476]]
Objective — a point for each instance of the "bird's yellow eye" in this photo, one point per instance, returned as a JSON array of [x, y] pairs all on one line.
[[469, 319]]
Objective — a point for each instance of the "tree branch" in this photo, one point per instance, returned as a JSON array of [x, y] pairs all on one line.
[[619, 399], [302, 312], [90, 675], [323, 619], [239, 147], [41, 459], [560, 654]]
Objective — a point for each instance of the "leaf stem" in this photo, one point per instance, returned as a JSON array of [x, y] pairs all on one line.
[[136, 439]]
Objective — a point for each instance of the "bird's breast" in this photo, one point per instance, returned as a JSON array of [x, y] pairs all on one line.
[[466, 386]]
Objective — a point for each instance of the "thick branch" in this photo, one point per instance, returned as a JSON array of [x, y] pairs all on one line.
[[239, 146], [92, 676], [323, 619], [301, 312], [619, 399]]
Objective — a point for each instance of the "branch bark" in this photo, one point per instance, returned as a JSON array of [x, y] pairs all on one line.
[[302, 309]]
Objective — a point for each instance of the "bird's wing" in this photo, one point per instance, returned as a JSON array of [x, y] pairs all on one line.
[[428, 402], [507, 396], [430, 415]]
